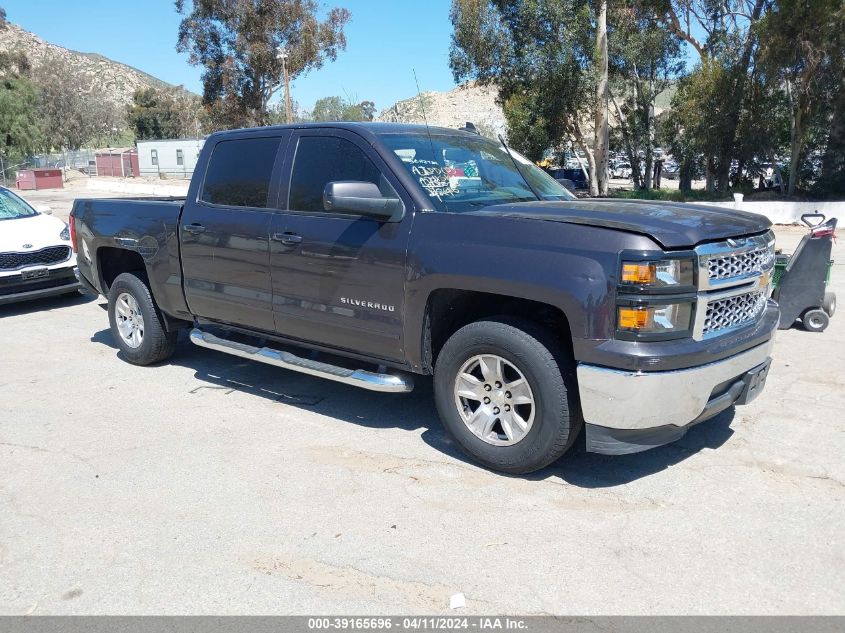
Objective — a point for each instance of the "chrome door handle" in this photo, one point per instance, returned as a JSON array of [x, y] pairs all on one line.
[[288, 239], [194, 228]]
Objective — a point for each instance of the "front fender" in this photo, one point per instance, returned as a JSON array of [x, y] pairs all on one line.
[[569, 267]]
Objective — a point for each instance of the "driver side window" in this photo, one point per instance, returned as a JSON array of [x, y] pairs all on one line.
[[320, 160]]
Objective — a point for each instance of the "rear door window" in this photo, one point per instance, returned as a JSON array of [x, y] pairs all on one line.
[[239, 172]]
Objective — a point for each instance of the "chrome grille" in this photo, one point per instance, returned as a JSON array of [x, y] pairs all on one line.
[[44, 257], [740, 264], [733, 311]]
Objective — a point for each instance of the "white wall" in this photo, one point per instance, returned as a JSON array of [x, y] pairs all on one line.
[[138, 188], [786, 212], [168, 156]]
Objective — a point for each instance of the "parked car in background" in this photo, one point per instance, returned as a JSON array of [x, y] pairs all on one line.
[[36, 259], [576, 177], [620, 170], [568, 184], [671, 170]]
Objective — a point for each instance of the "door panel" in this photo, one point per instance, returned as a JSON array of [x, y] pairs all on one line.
[[226, 266], [225, 233], [342, 283]]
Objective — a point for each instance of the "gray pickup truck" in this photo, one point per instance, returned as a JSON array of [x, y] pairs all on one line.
[[370, 253]]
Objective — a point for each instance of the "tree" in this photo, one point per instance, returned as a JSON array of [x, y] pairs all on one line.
[[240, 45], [70, 111], [368, 110], [541, 55], [832, 180], [20, 133], [328, 109], [340, 109], [645, 59], [802, 47], [601, 137], [731, 30], [528, 130], [166, 113]]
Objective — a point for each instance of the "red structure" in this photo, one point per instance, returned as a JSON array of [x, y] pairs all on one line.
[[39, 179], [120, 162]]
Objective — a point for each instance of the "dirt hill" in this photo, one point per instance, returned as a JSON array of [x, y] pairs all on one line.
[[452, 109], [115, 81]]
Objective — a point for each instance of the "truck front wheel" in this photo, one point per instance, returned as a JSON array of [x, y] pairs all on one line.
[[136, 324], [505, 392]]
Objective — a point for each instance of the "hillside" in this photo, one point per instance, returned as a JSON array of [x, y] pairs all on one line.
[[472, 102], [452, 109], [115, 81]]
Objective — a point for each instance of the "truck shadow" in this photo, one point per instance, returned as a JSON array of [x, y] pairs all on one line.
[[222, 375], [590, 470], [43, 305]]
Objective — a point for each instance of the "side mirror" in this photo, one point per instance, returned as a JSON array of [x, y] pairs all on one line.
[[364, 198], [44, 209]]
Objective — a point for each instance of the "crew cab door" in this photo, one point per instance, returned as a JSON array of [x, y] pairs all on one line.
[[225, 232], [338, 277]]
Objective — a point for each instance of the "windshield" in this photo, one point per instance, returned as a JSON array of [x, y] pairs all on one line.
[[465, 173], [12, 207]]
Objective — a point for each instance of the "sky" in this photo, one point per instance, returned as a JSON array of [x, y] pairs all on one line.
[[386, 39]]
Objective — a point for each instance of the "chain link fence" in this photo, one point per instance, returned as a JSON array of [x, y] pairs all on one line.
[[83, 161]]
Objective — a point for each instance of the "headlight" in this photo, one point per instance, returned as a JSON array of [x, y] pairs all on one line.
[[664, 273], [65, 234], [667, 318]]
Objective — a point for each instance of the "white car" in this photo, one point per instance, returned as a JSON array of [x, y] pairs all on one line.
[[36, 259], [621, 170]]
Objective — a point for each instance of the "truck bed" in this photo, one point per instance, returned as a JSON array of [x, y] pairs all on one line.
[[146, 226]]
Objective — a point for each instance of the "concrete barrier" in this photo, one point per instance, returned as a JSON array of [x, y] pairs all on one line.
[[140, 188], [785, 212]]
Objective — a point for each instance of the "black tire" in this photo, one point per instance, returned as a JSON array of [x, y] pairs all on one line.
[[815, 320], [550, 374], [157, 343], [829, 303]]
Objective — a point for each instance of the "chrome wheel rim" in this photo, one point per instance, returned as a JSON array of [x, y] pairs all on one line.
[[130, 321], [494, 400]]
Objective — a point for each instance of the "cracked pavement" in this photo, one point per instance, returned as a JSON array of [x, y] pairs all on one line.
[[213, 485]]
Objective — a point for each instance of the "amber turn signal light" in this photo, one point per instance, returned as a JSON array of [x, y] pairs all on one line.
[[634, 318], [639, 272]]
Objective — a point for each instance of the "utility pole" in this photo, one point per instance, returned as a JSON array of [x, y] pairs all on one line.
[[283, 55]]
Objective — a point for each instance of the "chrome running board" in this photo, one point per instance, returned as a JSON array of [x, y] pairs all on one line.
[[385, 383]]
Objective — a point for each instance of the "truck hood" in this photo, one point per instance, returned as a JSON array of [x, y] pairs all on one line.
[[671, 224]]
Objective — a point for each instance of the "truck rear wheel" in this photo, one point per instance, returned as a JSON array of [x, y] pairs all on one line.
[[505, 393], [136, 323]]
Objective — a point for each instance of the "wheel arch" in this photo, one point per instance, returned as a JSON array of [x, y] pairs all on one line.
[[112, 261], [449, 309]]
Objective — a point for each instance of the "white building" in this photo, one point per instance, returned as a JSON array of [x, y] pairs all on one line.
[[175, 158]]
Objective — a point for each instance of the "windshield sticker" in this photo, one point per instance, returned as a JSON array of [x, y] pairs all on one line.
[[432, 177]]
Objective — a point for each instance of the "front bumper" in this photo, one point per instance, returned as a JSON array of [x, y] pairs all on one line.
[[628, 412], [14, 288]]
